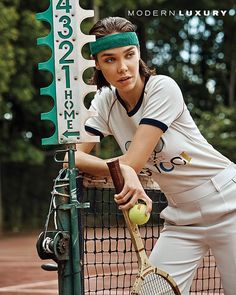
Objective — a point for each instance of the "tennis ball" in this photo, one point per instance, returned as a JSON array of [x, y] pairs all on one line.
[[137, 214]]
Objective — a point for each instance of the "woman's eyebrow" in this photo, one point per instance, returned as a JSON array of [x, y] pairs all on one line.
[[111, 54]]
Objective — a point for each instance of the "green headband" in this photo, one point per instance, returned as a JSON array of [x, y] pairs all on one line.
[[113, 41]]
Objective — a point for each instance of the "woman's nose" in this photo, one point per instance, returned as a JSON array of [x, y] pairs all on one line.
[[122, 67]]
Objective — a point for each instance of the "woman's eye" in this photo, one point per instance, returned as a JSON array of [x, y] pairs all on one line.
[[108, 60], [130, 54]]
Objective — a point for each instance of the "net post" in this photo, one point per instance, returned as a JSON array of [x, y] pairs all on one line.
[[68, 115], [74, 219]]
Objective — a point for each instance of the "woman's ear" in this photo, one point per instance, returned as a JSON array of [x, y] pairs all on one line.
[[97, 65], [139, 54], [96, 62]]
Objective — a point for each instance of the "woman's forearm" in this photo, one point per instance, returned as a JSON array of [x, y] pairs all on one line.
[[132, 190], [91, 164]]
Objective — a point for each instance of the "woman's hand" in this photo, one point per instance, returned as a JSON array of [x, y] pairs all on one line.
[[132, 191]]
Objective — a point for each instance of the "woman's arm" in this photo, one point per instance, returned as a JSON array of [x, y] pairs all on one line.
[[141, 147], [86, 162], [144, 142], [131, 162]]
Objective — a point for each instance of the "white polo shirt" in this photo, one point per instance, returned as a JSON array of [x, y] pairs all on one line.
[[182, 159]]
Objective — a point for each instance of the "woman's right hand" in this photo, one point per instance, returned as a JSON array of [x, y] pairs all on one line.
[[132, 191]]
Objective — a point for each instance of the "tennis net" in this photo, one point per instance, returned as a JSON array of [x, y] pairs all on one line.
[[109, 259]]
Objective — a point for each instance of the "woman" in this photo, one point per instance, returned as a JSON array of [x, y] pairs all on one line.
[[147, 116]]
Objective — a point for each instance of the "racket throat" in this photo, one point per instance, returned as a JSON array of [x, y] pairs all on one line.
[[143, 262]]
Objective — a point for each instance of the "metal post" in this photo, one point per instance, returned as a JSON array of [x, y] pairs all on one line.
[[63, 224], [76, 263], [68, 116]]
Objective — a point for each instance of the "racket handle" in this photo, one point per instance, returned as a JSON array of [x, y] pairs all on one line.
[[116, 175], [118, 181]]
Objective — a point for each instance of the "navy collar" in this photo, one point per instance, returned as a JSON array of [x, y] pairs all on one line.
[[138, 104]]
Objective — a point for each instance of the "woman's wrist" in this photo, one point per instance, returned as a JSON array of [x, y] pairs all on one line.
[[127, 169]]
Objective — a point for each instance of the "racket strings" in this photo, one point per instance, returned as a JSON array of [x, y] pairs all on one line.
[[156, 285]]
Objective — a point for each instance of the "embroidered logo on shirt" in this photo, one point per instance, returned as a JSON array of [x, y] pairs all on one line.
[[160, 145], [127, 144], [160, 162], [186, 156], [165, 165]]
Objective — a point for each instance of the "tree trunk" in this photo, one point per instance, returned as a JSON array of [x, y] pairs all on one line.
[[96, 11]]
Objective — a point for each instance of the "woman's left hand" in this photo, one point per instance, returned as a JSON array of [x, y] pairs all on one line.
[[132, 191]]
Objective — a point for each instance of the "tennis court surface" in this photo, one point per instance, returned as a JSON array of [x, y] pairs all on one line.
[[20, 271]]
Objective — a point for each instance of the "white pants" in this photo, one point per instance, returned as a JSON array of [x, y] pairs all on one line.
[[191, 229]]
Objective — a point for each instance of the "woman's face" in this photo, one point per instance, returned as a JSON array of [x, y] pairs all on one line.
[[120, 66]]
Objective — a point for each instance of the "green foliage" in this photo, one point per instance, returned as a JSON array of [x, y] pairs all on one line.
[[19, 81], [219, 128], [193, 51], [8, 35]]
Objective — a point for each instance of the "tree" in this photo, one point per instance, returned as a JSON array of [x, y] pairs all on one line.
[[19, 84], [20, 106]]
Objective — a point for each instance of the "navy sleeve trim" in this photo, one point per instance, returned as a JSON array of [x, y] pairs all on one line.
[[155, 123], [94, 131]]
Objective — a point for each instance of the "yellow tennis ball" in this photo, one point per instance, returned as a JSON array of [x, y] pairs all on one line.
[[137, 214]]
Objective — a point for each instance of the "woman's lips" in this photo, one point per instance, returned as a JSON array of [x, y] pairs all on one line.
[[124, 80]]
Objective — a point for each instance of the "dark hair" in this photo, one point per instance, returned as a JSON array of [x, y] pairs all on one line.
[[107, 26]]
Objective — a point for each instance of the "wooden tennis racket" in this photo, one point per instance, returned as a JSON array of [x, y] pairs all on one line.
[[150, 280]]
